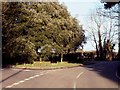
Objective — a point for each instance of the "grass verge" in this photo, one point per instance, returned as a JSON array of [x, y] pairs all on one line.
[[46, 65]]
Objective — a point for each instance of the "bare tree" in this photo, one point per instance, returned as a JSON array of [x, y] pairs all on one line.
[[114, 7], [102, 32]]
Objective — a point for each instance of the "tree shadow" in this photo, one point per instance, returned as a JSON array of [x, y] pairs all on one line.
[[109, 70], [11, 75]]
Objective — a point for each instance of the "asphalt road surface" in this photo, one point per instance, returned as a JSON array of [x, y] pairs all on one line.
[[100, 75]]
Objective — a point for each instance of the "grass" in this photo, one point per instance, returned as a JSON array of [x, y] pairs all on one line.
[[46, 65]]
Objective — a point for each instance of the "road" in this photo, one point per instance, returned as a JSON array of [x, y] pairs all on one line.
[[100, 75]]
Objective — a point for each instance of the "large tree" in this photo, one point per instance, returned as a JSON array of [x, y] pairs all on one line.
[[47, 26], [15, 47]]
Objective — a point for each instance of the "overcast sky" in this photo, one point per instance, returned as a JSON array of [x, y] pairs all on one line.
[[81, 9]]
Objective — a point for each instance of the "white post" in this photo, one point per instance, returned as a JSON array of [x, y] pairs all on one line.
[[61, 58]]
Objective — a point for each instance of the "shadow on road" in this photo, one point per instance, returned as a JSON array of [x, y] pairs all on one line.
[[106, 69], [11, 76]]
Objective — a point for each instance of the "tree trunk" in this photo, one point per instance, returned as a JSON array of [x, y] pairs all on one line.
[[100, 45], [40, 59], [96, 46], [110, 57], [97, 51], [61, 58]]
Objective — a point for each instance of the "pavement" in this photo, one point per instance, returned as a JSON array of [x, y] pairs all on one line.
[[99, 75]]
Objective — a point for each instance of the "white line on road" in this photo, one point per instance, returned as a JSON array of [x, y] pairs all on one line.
[[26, 79], [37, 75], [21, 81], [42, 73], [79, 75], [26, 70], [21, 69], [16, 69], [15, 83], [9, 86], [74, 85], [29, 78]]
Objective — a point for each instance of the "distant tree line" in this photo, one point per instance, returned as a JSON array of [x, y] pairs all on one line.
[[80, 57]]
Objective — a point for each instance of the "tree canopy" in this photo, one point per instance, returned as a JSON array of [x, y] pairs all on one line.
[[30, 26]]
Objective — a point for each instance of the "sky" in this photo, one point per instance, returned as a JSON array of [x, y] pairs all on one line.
[[81, 9]]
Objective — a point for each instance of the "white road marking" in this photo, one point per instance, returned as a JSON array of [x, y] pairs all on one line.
[[9, 86], [74, 85], [16, 69], [42, 73], [79, 75], [37, 75], [15, 83], [26, 79], [20, 69], [26, 70], [31, 77], [21, 81]]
